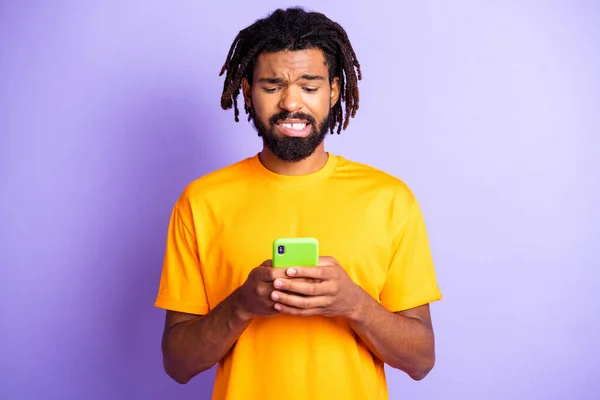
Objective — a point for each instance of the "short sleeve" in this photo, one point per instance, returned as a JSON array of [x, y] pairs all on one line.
[[411, 279], [181, 284]]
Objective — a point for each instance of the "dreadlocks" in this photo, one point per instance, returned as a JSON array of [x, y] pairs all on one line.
[[294, 29]]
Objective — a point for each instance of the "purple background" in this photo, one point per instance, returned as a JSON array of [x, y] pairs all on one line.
[[488, 111]]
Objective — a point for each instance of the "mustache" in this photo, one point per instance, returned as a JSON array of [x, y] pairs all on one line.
[[287, 115]]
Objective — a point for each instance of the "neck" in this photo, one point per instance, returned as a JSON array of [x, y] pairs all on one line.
[[309, 165]]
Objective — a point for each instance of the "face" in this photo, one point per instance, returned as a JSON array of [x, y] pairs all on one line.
[[291, 98]]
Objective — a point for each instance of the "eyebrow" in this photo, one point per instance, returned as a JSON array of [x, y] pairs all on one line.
[[303, 77]]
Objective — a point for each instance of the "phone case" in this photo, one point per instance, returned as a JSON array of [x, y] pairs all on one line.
[[295, 252]]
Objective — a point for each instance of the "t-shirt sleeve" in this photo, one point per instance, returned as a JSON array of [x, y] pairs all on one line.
[[411, 279], [181, 284]]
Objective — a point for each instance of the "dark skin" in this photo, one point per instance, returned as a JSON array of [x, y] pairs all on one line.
[[193, 343], [303, 87]]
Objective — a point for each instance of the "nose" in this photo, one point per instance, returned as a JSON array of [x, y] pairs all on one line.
[[291, 100]]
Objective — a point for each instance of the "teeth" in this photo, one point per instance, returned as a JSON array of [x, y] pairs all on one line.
[[294, 126]]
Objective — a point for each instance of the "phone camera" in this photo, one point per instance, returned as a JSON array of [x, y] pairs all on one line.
[[280, 249]]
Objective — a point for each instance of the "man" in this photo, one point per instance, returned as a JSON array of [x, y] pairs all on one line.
[[304, 332]]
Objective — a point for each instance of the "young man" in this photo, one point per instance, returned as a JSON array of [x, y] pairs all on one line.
[[304, 332]]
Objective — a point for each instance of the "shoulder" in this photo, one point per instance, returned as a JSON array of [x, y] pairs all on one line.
[[215, 184], [386, 191], [371, 178]]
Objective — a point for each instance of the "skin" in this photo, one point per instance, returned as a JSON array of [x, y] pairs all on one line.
[[294, 93], [193, 343]]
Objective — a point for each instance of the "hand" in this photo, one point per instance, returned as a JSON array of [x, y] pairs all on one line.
[[326, 290], [254, 295]]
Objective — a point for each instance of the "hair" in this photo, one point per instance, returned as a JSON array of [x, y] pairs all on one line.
[[294, 29]]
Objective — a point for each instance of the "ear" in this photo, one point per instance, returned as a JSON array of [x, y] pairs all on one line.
[[247, 90], [335, 91]]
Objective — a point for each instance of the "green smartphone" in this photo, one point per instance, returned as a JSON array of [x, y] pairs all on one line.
[[295, 252]]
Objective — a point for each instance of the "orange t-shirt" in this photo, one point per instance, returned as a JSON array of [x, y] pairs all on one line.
[[224, 225]]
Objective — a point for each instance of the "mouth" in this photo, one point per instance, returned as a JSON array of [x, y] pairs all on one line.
[[295, 128]]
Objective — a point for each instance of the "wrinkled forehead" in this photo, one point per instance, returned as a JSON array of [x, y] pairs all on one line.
[[290, 65]]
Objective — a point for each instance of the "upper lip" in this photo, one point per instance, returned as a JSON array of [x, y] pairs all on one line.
[[293, 121]]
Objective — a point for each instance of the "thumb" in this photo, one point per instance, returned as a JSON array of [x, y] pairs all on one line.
[[264, 271]]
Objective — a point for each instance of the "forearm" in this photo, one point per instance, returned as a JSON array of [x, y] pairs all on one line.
[[193, 346], [402, 342]]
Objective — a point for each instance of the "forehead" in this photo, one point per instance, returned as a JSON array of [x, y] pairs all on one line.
[[290, 64]]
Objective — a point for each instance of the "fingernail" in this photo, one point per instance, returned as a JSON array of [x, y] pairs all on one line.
[[275, 296], [291, 271], [278, 283], [277, 307]]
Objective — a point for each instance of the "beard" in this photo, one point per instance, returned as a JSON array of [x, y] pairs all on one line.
[[287, 148]]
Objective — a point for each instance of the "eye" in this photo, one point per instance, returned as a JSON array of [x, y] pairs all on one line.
[[270, 89], [310, 90]]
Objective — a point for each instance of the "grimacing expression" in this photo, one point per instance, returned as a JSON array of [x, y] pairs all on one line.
[[291, 99]]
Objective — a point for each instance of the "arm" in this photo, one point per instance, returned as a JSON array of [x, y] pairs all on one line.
[[403, 340], [192, 344]]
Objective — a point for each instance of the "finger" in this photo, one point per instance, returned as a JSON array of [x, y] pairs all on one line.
[[293, 300], [322, 273], [283, 309], [269, 274], [326, 260], [308, 287], [308, 280]]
